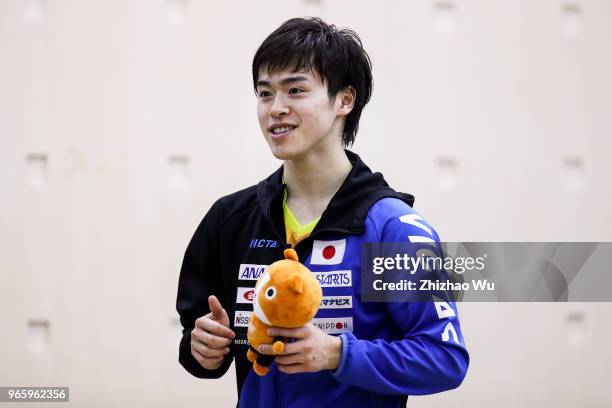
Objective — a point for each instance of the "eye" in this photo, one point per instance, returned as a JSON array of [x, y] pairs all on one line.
[[295, 90], [263, 94], [271, 292]]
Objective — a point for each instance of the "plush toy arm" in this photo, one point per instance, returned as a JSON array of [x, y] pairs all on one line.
[[278, 346]]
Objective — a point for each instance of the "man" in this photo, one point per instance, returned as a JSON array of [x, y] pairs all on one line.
[[312, 82]]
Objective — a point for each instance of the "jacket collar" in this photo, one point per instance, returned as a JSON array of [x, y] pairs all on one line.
[[347, 209]]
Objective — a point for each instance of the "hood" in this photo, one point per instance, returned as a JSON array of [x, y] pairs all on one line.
[[347, 209]]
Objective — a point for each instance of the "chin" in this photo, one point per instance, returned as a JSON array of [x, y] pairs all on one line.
[[284, 151], [282, 154]]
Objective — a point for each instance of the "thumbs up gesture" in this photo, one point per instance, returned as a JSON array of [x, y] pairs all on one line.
[[211, 336]]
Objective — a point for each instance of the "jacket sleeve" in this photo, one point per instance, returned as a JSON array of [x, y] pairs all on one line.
[[431, 357], [199, 278]]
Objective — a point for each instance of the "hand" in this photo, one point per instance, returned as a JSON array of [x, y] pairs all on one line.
[[211, 336], [313, 350]]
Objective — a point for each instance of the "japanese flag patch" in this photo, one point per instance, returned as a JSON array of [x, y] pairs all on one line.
[[327, 252]]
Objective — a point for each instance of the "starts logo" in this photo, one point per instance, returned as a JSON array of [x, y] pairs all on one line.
[[334, 279]]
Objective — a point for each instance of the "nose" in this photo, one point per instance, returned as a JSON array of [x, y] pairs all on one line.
[[279, 107]]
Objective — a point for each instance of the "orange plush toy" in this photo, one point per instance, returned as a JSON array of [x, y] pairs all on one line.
[[286, 295]]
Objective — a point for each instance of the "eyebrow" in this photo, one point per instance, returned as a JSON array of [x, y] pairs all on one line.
[[284, 81]]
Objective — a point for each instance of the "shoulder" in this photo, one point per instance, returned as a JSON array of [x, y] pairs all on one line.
[[394, 219], [238, 201], [228, 206]]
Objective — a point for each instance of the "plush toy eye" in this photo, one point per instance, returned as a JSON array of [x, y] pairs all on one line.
[[270, 292]]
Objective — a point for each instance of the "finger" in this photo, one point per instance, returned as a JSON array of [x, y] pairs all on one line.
[[214, 327], [213, 341], [209, 352], [205, 360], [293, 347], [290, 348], [197, 355], [215, 308], [292, 368], [266, 349], [297, 333], [290, 359]]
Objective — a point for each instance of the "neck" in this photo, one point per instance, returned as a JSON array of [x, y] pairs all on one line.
[[317, 175]]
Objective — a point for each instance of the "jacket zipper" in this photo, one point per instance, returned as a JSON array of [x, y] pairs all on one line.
[[283, 240], [318, 233], [279, 393]]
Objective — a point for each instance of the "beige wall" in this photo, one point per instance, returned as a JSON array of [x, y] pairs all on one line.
[[121, 122]]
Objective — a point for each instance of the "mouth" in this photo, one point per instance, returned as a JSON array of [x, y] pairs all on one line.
[[278, 132]]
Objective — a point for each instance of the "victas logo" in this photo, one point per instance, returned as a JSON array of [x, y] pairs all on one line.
[[263, 243], [334, 325], [251, 271], [242, 318], [245, 295], [334, 279]]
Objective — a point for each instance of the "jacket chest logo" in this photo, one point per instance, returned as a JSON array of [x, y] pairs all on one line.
[[251, 272], [263, 243], [327, 252]]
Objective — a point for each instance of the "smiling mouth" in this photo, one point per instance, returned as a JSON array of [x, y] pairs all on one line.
[[281, 131]]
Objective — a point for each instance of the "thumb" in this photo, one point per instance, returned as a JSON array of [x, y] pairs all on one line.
[[215, 308]]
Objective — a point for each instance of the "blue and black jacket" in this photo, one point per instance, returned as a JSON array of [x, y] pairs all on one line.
[[390, 350]]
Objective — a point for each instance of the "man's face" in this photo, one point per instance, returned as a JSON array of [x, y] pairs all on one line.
[[295, 114]]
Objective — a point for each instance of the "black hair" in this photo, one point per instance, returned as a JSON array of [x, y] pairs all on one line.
[[336, 55]]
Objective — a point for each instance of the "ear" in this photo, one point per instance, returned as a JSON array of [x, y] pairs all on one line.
[[296, 284], [347, 100]]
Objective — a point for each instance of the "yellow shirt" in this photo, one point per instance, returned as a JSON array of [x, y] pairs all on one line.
[[295, 232]]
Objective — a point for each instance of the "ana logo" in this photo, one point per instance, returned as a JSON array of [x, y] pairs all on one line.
[[332, 325], [327, 252], [334, 279], [242, 318], [337, 302], [251, 271], [245, 295]]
